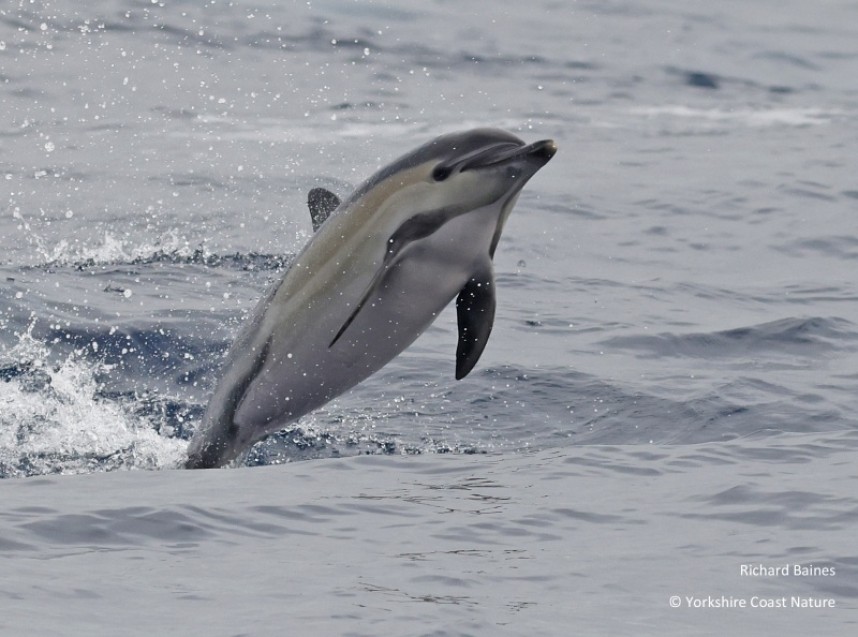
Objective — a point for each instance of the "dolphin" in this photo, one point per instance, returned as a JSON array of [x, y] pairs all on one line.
[[380, 267]]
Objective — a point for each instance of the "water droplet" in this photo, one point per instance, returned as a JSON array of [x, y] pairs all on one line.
[[522, 263]]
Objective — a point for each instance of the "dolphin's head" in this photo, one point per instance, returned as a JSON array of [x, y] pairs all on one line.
[[499, 161], [470, 169]]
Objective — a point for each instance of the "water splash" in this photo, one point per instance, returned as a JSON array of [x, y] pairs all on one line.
[[114, 250], [52, 419]]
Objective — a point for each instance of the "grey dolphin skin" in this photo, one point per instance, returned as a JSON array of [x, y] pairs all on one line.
[[379, 269]]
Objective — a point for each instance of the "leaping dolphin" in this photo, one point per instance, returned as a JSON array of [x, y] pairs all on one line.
[[380, 268]]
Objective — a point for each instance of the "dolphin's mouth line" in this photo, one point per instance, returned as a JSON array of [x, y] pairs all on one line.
[[504, 153]]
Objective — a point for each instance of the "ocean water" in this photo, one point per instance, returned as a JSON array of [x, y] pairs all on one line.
[[670, 388]]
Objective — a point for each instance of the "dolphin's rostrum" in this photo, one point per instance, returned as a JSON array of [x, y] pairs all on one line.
[[381, 266]]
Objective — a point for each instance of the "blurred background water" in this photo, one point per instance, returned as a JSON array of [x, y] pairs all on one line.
[[682, 272]]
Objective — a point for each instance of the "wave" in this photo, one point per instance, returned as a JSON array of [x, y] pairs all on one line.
[[171, 249], [114, 254], [751, 117], [811, 337]]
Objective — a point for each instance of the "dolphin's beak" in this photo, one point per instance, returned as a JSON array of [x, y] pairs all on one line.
[[540, 151], [544, 149]]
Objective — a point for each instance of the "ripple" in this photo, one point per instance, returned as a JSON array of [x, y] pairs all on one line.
[[811, 337]]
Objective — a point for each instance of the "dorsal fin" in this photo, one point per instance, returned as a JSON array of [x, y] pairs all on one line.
[[322, 202]]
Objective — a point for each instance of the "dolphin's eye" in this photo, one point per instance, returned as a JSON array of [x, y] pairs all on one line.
[[441, 172]]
